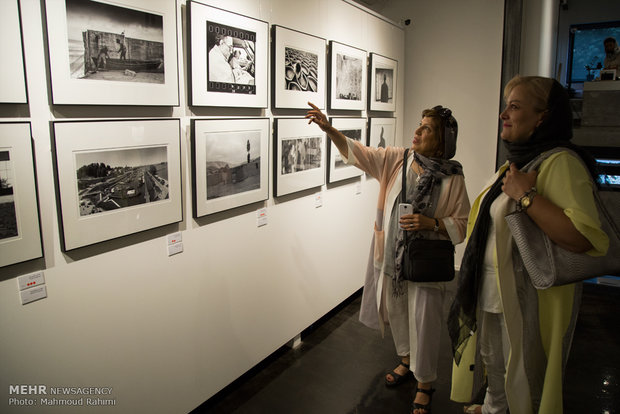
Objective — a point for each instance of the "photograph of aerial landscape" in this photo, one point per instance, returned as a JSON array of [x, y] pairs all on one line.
[[233, 162], [116, 179], [113, 43], [8, 217]]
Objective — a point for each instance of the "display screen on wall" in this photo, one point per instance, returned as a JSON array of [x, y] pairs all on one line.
[[586, 50]]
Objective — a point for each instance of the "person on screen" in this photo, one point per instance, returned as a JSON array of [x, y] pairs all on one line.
[[612, 55]]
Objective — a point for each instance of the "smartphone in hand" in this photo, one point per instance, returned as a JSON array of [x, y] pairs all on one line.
[[404, 209]]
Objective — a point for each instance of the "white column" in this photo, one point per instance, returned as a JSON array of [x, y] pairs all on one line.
[[548, 34]]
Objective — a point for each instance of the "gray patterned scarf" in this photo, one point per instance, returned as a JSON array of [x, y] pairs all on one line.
[[435, 169]]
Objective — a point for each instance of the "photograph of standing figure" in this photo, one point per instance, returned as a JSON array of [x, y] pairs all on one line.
[[382, 89], [233, 162], [383, 81]]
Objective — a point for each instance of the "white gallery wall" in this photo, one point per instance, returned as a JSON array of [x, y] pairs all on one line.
[[167, 333]]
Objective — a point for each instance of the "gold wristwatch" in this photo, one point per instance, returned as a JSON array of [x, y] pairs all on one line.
[[526, 199]]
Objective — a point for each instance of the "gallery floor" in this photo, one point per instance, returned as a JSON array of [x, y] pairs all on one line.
[[340, 365]]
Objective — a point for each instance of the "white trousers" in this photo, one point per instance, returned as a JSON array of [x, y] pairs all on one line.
[[416, 319], [494, 351]]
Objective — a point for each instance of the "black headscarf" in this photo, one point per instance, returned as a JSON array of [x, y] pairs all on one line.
[[554, 131]]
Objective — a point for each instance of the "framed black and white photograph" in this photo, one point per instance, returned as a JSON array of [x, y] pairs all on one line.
[[382, 89], [299, 156], [382, 132], [113, 52], [354, 128], [230, 163], [348, 72], [12, 77], [116, 178], [20, 234], [299, 69], [229, 58]]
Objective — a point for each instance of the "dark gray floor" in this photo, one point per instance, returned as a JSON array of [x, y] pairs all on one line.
[[340, 366]]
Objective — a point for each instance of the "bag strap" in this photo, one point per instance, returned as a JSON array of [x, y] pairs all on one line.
[[535, 163], [403, 193]]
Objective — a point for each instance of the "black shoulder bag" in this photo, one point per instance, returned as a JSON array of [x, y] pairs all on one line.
[[425, 260]]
